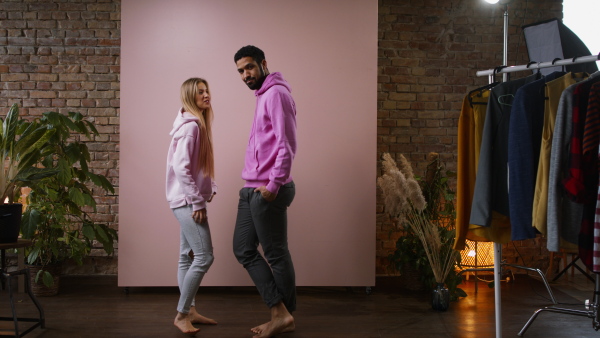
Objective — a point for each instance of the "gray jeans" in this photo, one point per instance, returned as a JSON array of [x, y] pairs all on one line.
[[259, 221], [195, 238]]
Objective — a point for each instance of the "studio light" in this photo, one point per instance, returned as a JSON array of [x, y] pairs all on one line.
[[505, 51]]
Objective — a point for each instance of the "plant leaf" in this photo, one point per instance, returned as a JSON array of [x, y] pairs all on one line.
[[48, 279], [88, 231], [76, 196], [29, 222]]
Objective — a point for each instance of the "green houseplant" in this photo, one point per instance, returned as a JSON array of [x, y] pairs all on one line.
[[20, 144], [57, 217], [424, 210]]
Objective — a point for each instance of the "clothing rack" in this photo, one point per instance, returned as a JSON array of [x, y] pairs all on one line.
[[593, 308]]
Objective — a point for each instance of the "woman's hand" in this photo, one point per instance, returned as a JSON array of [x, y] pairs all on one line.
[[199, 216], [211, 197]]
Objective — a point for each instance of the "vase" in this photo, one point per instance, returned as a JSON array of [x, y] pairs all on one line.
[[10, 222], [440, 298], [39, 288], [409, 278]]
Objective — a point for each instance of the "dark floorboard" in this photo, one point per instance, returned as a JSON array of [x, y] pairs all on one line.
[[96, 307]]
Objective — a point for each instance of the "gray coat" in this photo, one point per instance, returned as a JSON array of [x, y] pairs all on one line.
[[564, 215]]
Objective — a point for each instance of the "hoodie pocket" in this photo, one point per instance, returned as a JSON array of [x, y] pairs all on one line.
[[252, 158]]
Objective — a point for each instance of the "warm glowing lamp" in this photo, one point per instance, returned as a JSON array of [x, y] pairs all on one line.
[[492, 1]]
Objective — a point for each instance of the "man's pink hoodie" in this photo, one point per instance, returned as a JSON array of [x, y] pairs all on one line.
[[186, 183], [272, 143]]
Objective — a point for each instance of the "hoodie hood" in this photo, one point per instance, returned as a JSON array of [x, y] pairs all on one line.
[[271, 80], [182, 119]]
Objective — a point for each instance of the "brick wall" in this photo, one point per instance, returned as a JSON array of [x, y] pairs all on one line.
[[64, 56], [429, 52]]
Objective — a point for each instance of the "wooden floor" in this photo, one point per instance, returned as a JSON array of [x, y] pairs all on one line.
[[96, 307]]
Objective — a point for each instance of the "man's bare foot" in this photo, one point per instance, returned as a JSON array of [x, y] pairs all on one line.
[[197, 318], [281, 321], [275, 327], [260, 328], [182, 321]]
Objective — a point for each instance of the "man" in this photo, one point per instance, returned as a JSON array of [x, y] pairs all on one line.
[[269, 190]]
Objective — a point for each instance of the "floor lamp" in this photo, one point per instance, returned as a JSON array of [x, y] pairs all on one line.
[[498, 246]]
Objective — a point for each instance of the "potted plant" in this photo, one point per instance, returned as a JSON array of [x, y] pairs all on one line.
[[20, 144], [425, 215], [57, 217]]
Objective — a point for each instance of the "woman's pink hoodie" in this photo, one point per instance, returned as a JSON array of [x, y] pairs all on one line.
[[186, 183]]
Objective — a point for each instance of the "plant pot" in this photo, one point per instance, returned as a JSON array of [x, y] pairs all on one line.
[[39, 288], [410, 278], [10, 222], [440, 298]]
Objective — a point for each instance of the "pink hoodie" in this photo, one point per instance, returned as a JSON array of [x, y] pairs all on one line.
[[272, 143], [186, 184]]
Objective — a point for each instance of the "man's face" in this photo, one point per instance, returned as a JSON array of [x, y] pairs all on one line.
[[251, 72]]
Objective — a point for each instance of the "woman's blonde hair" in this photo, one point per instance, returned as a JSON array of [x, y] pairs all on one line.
[[189, 89]]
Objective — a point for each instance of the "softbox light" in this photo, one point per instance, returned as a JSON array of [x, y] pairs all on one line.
[[551, 39]]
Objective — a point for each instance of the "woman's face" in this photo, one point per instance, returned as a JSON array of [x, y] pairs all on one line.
[[202, 97]]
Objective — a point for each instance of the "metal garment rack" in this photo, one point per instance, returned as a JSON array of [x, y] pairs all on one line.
[[592, 311]]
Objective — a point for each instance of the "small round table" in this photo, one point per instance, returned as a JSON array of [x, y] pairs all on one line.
[[6, 277]]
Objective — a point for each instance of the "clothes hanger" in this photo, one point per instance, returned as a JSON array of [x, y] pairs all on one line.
[[538, 64], [502, 101], [563, 66], [479, 92]]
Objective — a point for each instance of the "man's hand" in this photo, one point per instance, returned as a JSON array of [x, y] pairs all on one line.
[[199, 216], [266, 194]]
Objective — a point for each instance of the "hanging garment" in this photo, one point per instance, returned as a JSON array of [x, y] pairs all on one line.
[[591, 132], [576, 181], [582, 182], [468, 152], [596, 267], [564, 216], [553, 91], [491, 186], [591, 139], [470, 130], [524, 140]]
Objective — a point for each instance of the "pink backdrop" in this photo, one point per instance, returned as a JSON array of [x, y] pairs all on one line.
[[327, 51]]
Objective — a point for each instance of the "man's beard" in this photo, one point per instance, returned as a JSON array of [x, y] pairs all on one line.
[[257, 82]]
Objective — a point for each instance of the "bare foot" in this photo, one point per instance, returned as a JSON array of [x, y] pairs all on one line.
[[275, 327], [182, 321], [197, 318], [260, 328]]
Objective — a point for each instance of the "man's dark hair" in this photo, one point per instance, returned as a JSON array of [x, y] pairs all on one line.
[[254, 52]]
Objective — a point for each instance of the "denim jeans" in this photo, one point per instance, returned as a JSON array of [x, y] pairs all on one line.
[[259, 221], [195, 238]]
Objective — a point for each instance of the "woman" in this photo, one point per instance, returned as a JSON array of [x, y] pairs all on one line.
[[190, 185]]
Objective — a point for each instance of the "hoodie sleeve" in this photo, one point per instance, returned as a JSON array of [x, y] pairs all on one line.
[[214, 187], [282, 112], [182, 167]]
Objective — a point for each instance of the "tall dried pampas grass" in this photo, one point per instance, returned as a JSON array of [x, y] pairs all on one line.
[[405, 203]]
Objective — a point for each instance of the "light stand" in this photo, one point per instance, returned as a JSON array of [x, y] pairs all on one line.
[[498, 246]]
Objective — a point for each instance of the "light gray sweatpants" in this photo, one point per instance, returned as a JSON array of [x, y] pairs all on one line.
[[195, 238]]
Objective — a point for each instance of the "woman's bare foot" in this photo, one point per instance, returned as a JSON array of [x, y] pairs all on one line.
[[182, 321], [196, 318]]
